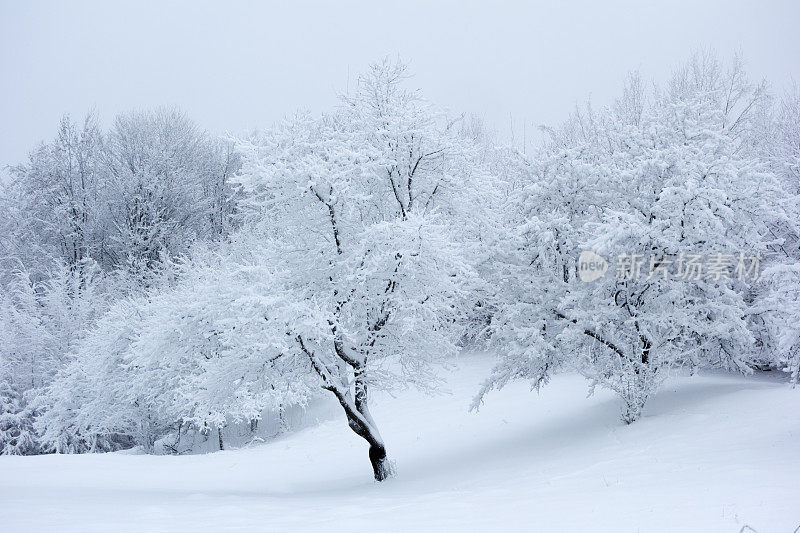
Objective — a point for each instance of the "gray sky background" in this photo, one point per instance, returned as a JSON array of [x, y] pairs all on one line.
[[234, 66]]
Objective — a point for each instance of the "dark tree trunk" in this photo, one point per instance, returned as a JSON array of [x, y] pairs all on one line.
[[357, 411], [284, 424], [360, 421], [381, 467], [219, 436]]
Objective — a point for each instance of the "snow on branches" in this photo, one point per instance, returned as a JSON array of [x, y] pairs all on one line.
[[664, 177]]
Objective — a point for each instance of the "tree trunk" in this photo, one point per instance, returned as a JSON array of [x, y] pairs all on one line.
[[635, 396], [219, 435], [360, 421], [283, 423], [633, 411], [357, 412], [381, 467]]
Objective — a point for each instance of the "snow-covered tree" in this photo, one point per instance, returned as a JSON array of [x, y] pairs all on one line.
[[52, 209], [655, 185], [778, 298], [351, 273], [185, 357], [168, 187], [90, 217], [151, 186], [39, 322], [367, 213], [780, 305]]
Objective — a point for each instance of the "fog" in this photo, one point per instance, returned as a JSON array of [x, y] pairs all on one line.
[[234, 66]]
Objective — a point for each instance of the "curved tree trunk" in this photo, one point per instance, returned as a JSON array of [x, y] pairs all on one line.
[[381, 467], [356, 408], [360, 421]]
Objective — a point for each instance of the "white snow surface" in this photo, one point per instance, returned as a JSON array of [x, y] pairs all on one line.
[[713, 452]]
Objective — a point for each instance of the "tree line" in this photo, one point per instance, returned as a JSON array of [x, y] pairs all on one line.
[[159, 282]]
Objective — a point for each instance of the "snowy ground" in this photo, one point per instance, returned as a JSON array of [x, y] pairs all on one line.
[[713, 453]]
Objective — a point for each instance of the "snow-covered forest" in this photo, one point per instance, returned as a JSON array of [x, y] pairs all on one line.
[[168, 291], [160, 284]]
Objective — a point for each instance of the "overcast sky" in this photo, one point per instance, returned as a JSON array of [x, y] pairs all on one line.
[[237, 65]]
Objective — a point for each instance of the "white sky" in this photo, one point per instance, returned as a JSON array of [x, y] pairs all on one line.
[[237, 65]]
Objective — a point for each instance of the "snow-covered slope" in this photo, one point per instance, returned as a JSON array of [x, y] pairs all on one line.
[[713, 452]]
